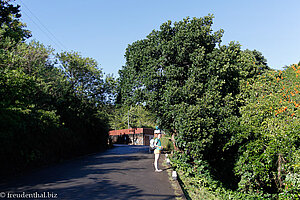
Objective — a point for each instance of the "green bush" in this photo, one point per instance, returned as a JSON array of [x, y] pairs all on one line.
[[43, 119], [167, 144]]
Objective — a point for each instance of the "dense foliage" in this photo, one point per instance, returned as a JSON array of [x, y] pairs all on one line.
[[134, 116], [198, 90], [11, 28], [269, 139], [48, 112], [266, 134]]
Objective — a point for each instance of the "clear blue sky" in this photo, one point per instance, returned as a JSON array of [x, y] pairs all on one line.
[[102, 29]]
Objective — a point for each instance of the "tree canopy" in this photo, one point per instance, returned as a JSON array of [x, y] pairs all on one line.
[[197, 89], [184, 75], [47, 113], [11, 27]]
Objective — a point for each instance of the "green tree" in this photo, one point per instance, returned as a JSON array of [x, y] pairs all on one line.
[[268, 137], [10, 25], [191, 82], [110, 89], [138, 117], [45, 116], [183, 75], [83, 75], [43, 119]]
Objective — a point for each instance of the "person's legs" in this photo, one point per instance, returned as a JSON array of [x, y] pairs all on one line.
[[156, 162]]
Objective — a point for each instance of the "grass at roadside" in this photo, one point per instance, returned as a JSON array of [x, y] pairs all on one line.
[[191, 189]]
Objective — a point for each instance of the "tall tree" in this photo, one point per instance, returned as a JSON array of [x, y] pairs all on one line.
[[84, 75], [10, 24], [45, 115], [184, 75]]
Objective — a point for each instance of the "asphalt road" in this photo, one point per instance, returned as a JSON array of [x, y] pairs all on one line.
[[123, 172]]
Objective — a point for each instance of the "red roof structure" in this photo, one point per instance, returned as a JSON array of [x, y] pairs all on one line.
[[138, 136], [149, 131]]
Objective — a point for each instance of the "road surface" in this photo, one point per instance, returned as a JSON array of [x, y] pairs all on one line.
[[123, 172]]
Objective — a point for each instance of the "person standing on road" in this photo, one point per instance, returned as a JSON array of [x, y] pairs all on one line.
[[157, 151]]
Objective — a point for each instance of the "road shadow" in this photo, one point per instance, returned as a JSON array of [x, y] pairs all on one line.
[[114, 174]]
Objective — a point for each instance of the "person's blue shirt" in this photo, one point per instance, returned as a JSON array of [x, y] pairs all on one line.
[[157, 143]]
